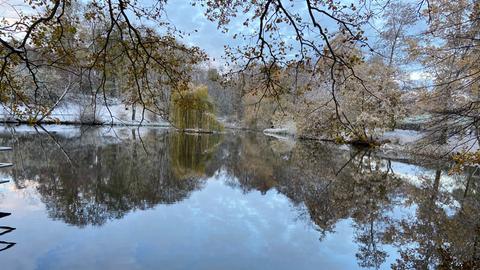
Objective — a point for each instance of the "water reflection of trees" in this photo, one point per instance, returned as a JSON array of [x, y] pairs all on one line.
[[106, 180], [445, 231], [441, 227], [437, 227]]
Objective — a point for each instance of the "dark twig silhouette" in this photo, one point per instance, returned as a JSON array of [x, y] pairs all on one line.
[[5, 229]]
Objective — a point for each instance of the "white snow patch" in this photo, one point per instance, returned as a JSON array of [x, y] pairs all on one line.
[[402, 136], [117, 114]]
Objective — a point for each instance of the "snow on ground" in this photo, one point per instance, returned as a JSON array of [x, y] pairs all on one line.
[[401, 140], [402, 136], [288, 128], [277, 133], [463, 143], [273, 131], [117, 114]]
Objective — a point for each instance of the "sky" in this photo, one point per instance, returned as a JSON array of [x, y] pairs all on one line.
[[180, 13], [185, 17], [211, 39], [188, 18], [203, 32]]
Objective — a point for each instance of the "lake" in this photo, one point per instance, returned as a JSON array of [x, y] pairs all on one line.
[[150, 198]]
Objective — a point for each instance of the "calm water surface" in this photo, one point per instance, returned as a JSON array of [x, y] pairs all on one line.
[[156, 199]]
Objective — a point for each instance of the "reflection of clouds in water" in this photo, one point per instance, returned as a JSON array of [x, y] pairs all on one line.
[[28, 193], [198, 231], [416, 176], [229, 202], [420, 177], [27, 196]]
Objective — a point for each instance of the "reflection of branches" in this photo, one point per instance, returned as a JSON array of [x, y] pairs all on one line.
[[56, 143], [6, 229], [141, 141], [369, 254], [7, 245], [121, 178], [352, 157]]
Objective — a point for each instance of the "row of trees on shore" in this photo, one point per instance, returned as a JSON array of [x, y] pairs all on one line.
[[343, 73]]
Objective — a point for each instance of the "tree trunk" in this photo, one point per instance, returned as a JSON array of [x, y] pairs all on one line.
[[134, 108]]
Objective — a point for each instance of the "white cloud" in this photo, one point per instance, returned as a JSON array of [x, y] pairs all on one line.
[[420, 76]]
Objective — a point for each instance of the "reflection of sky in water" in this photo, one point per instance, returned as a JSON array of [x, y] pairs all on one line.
[[211, 204], [414, 173], [218, 227]]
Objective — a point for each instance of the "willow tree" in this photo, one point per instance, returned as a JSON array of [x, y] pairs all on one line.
[[190, 154], [50, 38], [193, 109], [36, 41]]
